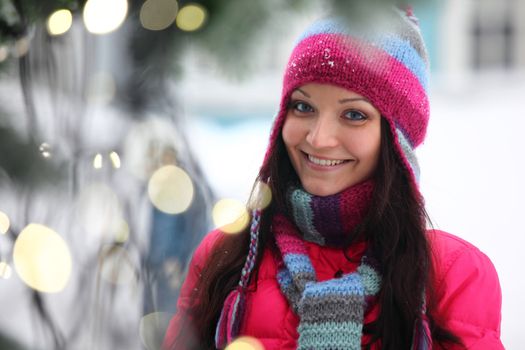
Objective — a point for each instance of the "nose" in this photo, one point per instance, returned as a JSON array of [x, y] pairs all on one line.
[[323, 132]]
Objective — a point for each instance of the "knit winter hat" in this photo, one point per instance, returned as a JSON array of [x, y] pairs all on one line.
[[386, 63]]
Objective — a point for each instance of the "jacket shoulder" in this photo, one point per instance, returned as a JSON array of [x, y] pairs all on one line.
[[446, 249], [467, 291]]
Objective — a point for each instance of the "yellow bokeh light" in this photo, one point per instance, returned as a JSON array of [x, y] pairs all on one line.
[[262, 196], [116, 266], [158, 14], [230, 215], [191, 17], [4, 223], [245, 343], [97, 161], [115, 159], [104, 16], [5, 270], [59, 22], [152, 328], [170, 189], [42, 259]]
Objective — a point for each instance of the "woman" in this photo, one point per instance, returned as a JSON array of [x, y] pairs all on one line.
[[341, 258]]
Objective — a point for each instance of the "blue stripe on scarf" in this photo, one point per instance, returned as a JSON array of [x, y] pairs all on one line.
[[298, 263], [351, 283]]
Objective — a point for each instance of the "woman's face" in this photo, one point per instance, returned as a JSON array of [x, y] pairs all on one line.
[[332, 136]]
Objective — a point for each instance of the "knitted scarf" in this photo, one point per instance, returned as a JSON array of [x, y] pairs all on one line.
[[331, 312]]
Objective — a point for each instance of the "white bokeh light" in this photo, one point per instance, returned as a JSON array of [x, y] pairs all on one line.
[[104, 16], [59, 22]]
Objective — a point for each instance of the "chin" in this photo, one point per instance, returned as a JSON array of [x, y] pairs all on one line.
[[328, 188], [322, 191]]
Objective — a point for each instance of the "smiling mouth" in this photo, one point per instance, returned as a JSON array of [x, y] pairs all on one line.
[[325, 162]]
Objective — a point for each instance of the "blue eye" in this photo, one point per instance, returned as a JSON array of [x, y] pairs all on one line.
[[355, 116], [302, 107]]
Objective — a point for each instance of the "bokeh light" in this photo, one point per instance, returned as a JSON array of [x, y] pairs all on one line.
[[45, 150], [262, 196], [97, 161], [245, 343], [59, 22], [4, 223], [115, 159], [116, 266], [170, 189], [230, 215], [191, 17], [5, 270], [104, 16], [152, 328], [158, 14], [4, 53], [42, 259]]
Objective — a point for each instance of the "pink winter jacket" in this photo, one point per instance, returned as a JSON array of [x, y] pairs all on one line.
[[466, 286]]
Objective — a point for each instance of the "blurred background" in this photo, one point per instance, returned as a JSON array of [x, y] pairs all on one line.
[[129, 129]]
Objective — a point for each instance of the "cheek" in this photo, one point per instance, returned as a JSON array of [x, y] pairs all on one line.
[[291, 134], [367, 146], [375, 148]]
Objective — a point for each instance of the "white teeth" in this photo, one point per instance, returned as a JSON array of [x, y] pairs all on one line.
[[324, 162]]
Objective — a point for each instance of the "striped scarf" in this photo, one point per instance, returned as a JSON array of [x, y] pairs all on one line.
[[331, 312]]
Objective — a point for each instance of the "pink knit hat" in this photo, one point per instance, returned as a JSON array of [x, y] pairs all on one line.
[[388, 65]]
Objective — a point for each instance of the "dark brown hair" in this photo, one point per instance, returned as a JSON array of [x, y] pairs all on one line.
[[395, 229]]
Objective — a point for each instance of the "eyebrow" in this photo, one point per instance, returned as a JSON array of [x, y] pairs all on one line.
[[344, 100], [302, 92]]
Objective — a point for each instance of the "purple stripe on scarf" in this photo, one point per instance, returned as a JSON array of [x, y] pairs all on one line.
[[327, 218]]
